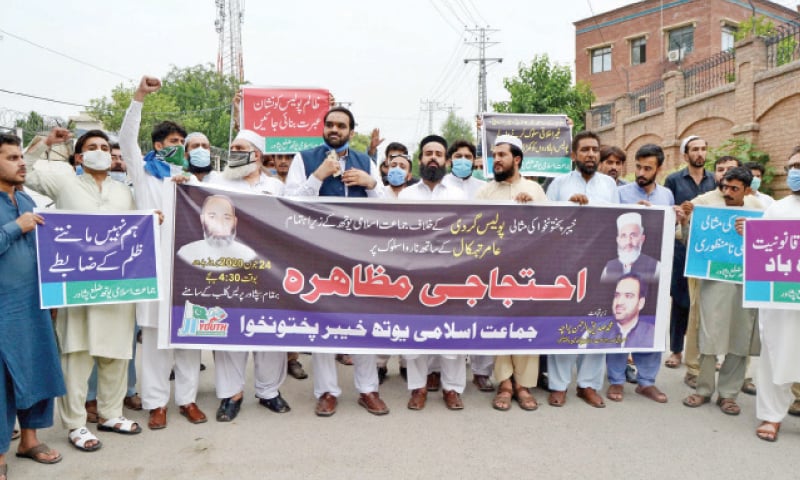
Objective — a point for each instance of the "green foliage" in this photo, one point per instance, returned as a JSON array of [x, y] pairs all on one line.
[[359, 142], [196, 97], [456, 128], [36, 124], [761, 26], [545, 87], [746, 152]]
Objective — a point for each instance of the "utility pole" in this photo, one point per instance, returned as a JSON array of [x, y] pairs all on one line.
[[482, 41], [431, 106]]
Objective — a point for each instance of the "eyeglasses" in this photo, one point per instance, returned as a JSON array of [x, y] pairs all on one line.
[[395, 155], [792, 166]]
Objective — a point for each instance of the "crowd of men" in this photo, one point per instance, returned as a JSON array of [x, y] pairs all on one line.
[[84, 356]]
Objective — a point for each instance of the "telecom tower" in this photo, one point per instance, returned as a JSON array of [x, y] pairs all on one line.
[[482, 42], [230, 17]]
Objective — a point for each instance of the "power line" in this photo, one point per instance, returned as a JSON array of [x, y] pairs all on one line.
[[43, 98], [466, 11], [455, 14], [445, 18], [65, 55], [479, 13]]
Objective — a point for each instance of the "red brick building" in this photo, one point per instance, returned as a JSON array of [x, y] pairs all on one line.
[[632, 46]]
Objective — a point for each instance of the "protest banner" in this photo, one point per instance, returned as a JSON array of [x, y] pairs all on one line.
[[546, 141], [95, 258], [353, 276], [290, 119], [714, 250], [772, 264]]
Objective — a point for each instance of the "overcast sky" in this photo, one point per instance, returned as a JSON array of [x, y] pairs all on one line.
[[384, 57]]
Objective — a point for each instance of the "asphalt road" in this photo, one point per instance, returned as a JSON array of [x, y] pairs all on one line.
[[634, 439]]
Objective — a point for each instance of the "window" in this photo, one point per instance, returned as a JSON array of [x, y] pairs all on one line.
[[642, 104], [681, 39], [602, 116], [728, 34], [601, 59], [638, 50]]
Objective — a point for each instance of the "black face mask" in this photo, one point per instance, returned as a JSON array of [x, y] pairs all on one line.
[[240, 159]]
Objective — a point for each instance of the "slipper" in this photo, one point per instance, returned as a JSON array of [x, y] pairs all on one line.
[[694, 400], [557, 398], [120, 425], [80, 436], [674, 361], [615, 393], [728, 406], [502, 401], [768, 431], [525, 400], [38, 450], [15, 434]]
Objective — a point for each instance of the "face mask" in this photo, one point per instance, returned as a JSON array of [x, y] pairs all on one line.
[[97, 160], [755, 183], [79, 170], [396, 176], [793, 180], [462, 168], [173, 155], [479, 174], [118, 176], [200, 157], [237, 158], [272, 172]]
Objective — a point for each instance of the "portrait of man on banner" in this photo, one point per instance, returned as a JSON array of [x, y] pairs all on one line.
[[219, 250], [630, 259]]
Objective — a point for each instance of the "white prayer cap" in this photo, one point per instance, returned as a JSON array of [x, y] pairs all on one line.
[[253, 138], [191, 136], [630, 218], [686, 141], [510, 139]]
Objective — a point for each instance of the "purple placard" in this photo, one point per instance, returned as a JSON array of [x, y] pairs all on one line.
[[772, 251]]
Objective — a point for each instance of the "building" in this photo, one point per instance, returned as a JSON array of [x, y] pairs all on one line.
[[622, 50]]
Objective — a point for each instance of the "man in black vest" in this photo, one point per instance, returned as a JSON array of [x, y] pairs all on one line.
[[333, 169]]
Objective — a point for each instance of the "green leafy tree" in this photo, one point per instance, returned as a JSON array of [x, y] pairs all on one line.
[[456, 128], [359, 142], [746, 152], [545, 87], [761, 26], [36, 124], [196, 97]]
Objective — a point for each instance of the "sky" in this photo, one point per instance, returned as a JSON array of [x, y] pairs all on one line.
[[384, 58]]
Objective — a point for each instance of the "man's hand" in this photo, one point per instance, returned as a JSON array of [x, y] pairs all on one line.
[[687, 207], [28, 221], [579, 198], [179, 179], [237, 101], [331, 100], [57, 135], [739, 225], [354, 177], [374, 140], [329, 166], [160, 216], [680, 215], [523, 197], [147, 85], [644, 203]]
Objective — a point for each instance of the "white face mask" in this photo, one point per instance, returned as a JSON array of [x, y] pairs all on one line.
[[97, 160]]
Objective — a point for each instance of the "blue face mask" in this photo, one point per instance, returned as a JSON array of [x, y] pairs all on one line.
[[396, 176], [79, 170], [462, 168], [793, 180], [200, 157], [272, 172], [755, 183]]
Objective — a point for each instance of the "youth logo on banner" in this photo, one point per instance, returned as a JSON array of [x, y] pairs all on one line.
[[714, 251], [546, 141], [255, 272], [291, 119], [94, 258], [772, 264]]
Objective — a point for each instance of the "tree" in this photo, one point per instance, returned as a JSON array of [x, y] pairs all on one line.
[[359, 142], [544, 87], [761, 26], [36, 124], [746, 152], [196, 97], [456, 128]]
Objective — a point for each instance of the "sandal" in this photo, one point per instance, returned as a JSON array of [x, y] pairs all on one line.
[[34, 452], [120, 425], [615, 392], [728, 406], [228, 409], [80, 436], [674, 361], [525, 400], [768, 431], [502, 401], [15, 434], [694, 400]]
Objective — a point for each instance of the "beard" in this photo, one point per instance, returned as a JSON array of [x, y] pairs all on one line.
[[628, 257], [503, 175], [586, 169], [218, 241], [432, 172], [238, 173], [336, 142], [643, 181]]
